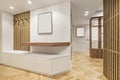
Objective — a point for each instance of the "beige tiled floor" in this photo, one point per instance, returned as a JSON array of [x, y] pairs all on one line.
[[83, 68]]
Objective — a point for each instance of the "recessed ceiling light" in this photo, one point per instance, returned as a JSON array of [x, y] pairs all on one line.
[[87, 12], [11, 7], [29, 2]]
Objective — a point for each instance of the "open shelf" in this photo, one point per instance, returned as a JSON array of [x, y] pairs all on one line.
[[47, 44]]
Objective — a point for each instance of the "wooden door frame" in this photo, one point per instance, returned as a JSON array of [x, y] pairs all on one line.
[[99, 50]]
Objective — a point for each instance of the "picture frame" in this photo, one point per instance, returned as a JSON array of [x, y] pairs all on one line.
[[80, 31], [45, 23]]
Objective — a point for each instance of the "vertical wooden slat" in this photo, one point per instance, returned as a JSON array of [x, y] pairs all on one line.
[[21, 30], [112, 39]]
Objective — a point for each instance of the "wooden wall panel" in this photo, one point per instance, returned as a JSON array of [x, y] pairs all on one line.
[[111, 54], [21, 30]]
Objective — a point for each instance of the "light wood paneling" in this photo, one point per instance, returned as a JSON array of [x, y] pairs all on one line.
[[112, 39], [21, 30]]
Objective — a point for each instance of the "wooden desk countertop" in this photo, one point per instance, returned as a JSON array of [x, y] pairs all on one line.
[[47, 44]]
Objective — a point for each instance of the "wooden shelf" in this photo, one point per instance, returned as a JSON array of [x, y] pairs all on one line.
[[47, 44]]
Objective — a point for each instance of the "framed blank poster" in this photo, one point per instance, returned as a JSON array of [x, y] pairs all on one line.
[[45, 23], [80, 32]]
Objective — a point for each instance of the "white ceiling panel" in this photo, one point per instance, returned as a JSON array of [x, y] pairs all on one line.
[[79, 7], [22, 5]]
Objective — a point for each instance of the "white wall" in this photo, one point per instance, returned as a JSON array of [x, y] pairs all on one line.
[[7, 31], [61, 26], [98, 13], [80, 44]]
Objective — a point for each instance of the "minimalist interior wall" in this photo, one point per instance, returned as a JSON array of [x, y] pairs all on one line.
[[7, 31], [21, 30], [61, 24], [98, 13], [80, 44]]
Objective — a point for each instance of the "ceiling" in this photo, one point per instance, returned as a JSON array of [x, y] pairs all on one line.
[[78, 7], [22, 5]]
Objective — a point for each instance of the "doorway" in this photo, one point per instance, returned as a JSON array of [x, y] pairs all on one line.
[[96, 37]]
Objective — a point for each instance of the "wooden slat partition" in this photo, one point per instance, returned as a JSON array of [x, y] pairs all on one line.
[[111, 54], [21, 30]]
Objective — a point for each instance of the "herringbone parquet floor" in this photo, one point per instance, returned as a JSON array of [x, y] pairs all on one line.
[[83, 68]]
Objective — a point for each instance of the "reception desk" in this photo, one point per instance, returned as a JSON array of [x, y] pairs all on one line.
[[45, 64]]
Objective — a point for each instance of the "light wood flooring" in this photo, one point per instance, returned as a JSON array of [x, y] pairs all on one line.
[[83, 68]]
